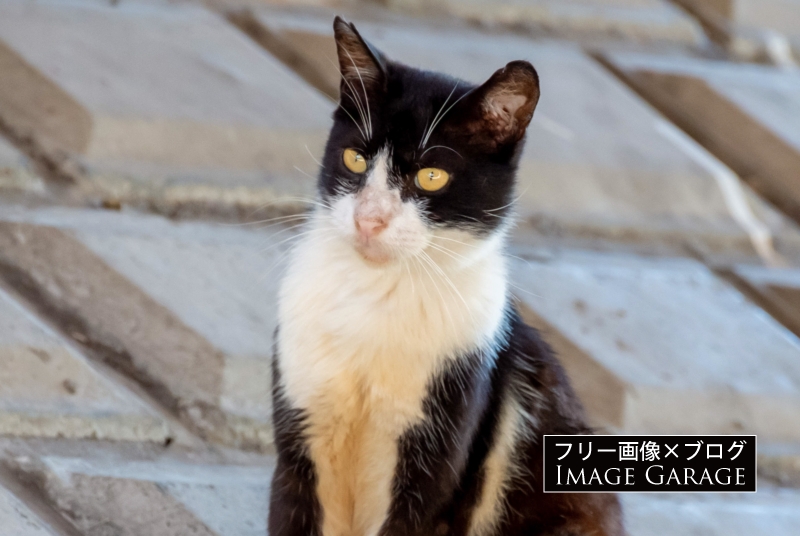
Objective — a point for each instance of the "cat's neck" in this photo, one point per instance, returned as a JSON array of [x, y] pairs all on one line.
[[450, 300]]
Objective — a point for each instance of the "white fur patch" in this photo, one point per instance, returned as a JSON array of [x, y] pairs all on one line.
[[359, 343], [499, 471]]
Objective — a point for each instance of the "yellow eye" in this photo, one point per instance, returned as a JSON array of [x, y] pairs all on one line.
[[431, 179], [354, 161]]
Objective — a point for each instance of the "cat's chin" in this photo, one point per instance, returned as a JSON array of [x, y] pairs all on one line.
[[374, 256]]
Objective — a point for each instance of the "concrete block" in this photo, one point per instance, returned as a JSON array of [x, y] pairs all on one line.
[[780, 464], [229, 510], [232, 500], [598, 160], [635, 19], [776, 290], [752, 29], [188, 310], [771, 511], [47, 389], [153, 495], [17, 520], [16, 172], [664, 346], [165, 105], [230, 497], [102, 505], [781, 15], [747, 115]]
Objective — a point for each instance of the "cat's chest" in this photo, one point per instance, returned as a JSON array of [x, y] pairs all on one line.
[[384, 334], [339, 361], [358, 352], [359, 367]]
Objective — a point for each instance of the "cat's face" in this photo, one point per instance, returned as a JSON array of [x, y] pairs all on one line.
[[416, 157]]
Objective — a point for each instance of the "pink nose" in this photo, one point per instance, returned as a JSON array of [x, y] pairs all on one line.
[[370, 227]]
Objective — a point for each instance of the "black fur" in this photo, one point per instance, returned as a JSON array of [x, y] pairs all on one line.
[[402, 103], [294, 508], [464, 407]]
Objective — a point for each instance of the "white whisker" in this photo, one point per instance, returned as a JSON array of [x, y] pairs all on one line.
[[366, 97], [509, 204], [313, 157], [440, 147], [307, 200], [353, 94], [268, 220], [307, 174], [421, 257], [427, 133], [449, 281], [271, 221], [523, 290], [450, 253], [433, 126], [285, 257]]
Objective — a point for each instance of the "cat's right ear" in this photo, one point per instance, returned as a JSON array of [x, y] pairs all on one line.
[[363, 68], [498, 113]]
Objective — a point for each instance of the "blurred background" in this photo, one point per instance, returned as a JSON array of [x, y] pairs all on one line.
[[157, 157]]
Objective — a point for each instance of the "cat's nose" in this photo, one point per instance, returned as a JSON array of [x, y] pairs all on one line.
[[370, 227]]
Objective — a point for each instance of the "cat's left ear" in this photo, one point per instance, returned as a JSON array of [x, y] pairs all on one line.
[[359, 62], [497, 113]]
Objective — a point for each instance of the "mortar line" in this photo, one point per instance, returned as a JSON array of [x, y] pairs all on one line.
[[108, 373], [31, 497]]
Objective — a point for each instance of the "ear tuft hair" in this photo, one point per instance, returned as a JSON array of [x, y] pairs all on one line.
[[359, 62]]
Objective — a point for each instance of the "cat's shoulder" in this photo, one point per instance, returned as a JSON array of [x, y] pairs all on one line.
[[538, 376]]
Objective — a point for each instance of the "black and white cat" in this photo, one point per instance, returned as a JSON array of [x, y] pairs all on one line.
[[409, 396]]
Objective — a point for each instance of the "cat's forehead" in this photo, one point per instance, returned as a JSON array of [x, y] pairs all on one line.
[[416, 103], [417, 92]]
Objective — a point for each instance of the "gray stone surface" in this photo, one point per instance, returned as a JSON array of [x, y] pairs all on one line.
[[190, 305], [746, 115], [753, 28], [772, 511], [777, 291], [220, 281], [768, 94], [16, 173], [230, 498], [781, 15], [640, 19], [47, 389], [669, 347], [780, 463], [161, 104], [17, 520], [149, 493], [598, 160], [102, 505]]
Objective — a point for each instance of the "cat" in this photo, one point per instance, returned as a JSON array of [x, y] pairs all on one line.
[[409, 397]]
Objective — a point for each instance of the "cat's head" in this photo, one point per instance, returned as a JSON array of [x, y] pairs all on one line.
[[414, 156]]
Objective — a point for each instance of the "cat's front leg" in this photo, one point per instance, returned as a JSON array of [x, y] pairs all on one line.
[[431, 455], [422, 490], [294, 509]]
